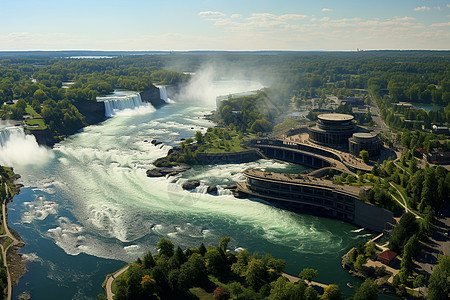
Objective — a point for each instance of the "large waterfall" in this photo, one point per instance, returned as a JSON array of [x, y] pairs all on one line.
[[18, 148], [113, 105], [163, 93]]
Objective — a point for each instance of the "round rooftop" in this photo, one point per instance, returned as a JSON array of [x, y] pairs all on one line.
[[363, 135], [335, 117]]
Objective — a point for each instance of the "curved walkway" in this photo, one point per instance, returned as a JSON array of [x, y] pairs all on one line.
[[110, 280], [14, 242], [404, 204]]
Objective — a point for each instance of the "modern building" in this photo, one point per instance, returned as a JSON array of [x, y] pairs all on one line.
[[365, 141], [317, 196], [332, 130]]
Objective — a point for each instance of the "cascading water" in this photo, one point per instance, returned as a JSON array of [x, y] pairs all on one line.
[[7, 132], [19, 149], [93, 205], [163, 94], [114, 105]]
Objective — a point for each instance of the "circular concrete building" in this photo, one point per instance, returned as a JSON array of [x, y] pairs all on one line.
[[332, 129], [365, 141]]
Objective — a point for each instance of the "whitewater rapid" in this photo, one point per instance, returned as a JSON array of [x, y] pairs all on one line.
[[117, 212]]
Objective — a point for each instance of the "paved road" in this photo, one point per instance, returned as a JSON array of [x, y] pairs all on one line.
[[111, 278]]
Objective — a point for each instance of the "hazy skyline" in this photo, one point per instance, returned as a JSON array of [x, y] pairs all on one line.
[[224, 25]]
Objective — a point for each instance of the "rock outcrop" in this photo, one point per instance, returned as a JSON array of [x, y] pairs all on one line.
[[212, 189], [151, 95], [166, 171], [190, 184]]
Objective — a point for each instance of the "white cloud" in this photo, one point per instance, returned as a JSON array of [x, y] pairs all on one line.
[[326, 9], [233, 16], [404, 19], [211, 14], [437, 7], [296, 31], [422, 8], [440, 24]]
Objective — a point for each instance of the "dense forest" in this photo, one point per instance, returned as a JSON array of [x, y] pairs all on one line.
[[52, 85], [49, 88], [215, 272]]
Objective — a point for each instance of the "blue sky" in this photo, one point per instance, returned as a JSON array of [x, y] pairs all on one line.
[[224, 25]]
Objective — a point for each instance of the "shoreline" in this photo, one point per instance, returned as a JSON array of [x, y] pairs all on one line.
[[11, 242]]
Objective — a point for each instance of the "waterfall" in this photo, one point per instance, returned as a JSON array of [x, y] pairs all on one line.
[[163, 94], [19, 149], [116, 104], [6, 134]]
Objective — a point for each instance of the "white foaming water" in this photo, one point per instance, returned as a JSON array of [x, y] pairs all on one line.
[[163, 93], [20, 149], [126, 105], [99, 176]]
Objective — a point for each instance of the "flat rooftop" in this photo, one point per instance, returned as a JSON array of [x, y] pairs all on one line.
[[335, 117], [364, 135], [303, 179]]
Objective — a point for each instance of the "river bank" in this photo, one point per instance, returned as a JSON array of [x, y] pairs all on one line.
[[10, 241]]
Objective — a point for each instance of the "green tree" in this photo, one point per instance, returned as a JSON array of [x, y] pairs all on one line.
[[148, 260], [367, 291], [364, 154], [223, 244], [439, 286], [214, 261], [165, 247], [308, 274], [199, 137], [255, 274], [311, 293], [202, 249], [332, 292], [240, 266], [419, 281]]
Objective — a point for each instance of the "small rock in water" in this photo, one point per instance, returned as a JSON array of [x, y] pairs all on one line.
[[212, 189], [190, 184]]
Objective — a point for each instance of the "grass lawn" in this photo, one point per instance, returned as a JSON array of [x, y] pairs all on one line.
[[39, 122], [218, 144], [201, 293], [29, 110]]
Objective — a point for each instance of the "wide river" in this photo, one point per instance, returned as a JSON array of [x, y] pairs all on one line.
[[87, 207]]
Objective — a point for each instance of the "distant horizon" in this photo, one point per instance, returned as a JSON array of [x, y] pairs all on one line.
[[228, 51], [287, 25]]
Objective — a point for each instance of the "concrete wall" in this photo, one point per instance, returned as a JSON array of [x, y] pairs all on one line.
[[371, 217], [228, 158]]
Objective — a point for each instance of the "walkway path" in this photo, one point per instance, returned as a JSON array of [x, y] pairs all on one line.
[[296, 279], [405, 206], [110, 280], [9, 291], [14, 242]]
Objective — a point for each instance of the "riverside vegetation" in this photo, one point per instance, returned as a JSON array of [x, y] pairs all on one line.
[[213, 272], [49, 89]]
